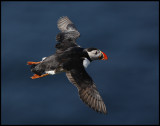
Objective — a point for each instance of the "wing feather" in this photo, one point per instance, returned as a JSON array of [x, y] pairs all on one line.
[[68, 35], [67, 28], [63, 22], [87, 90]]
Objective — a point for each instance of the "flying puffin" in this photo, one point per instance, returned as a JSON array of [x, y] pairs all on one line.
[[72, 59]]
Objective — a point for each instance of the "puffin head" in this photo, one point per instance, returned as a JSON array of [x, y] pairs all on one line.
[[96, 54]]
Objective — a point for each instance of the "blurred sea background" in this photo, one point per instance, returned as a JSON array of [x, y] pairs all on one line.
[[128, 32]]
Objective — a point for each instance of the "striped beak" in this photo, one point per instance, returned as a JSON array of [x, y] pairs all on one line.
[[103, 56]]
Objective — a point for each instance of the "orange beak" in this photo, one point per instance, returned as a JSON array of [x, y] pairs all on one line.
[[104, 56]]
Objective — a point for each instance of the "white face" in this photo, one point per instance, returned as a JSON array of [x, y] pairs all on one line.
[[94, 54]]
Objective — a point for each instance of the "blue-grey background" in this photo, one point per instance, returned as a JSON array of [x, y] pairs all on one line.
[[128, 82]]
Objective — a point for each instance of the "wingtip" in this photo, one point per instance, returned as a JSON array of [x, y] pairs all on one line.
[[62, 17], [105, 112]]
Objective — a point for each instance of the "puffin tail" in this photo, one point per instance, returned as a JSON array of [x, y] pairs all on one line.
[[37, 69]]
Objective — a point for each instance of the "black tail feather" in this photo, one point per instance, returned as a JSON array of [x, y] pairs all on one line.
[[35, 68]]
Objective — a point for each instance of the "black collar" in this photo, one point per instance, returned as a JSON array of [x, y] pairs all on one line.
[[86, 55]]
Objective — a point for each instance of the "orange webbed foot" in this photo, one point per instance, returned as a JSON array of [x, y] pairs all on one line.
[[35, 76], [31, 63]]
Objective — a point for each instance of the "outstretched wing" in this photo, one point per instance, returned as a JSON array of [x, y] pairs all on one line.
[[67, 28], [68, 35], [87, 89]]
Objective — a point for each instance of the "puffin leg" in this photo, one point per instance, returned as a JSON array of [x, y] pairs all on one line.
[[38, 76], [31, 63]]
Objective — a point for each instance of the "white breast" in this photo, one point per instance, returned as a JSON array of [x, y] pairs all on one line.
[[86, 62]]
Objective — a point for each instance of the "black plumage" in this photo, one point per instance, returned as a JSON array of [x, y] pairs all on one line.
[[69, 58]]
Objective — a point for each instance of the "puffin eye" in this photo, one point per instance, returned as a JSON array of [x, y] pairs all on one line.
[[96, 52]]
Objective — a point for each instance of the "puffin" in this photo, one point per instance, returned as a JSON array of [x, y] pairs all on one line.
[[73, 60]]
